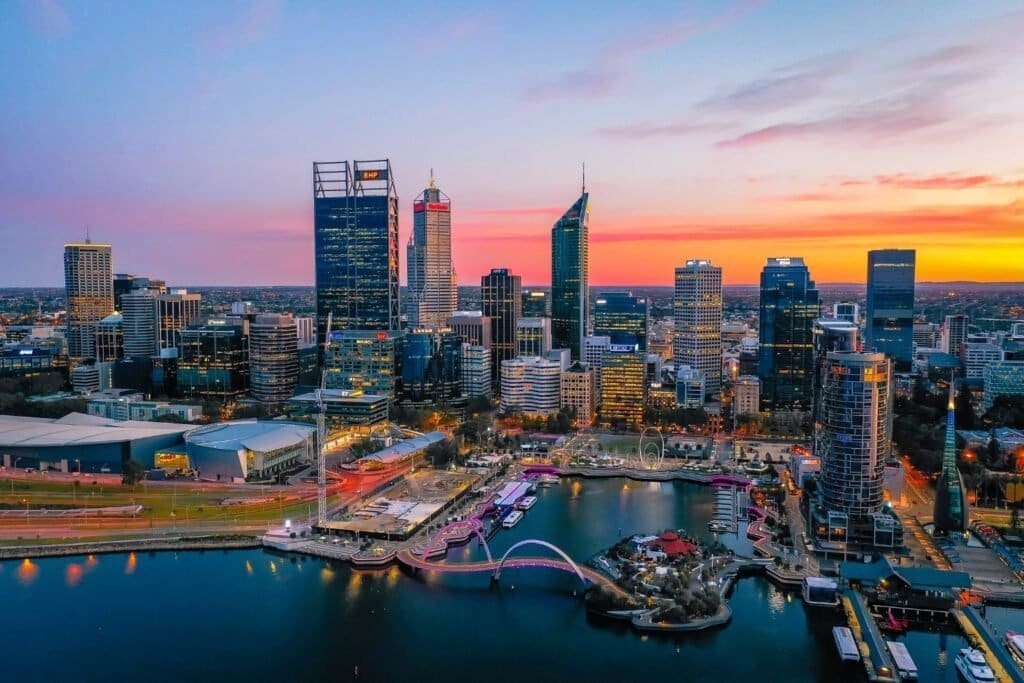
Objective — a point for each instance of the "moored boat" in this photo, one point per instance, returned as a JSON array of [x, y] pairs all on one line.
[[512, 519], [972, 666], [845, 644]]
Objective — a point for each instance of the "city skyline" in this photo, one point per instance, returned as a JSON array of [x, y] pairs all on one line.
[[787, 156]]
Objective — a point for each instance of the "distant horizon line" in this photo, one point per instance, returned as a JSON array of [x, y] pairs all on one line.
[[993, 283]]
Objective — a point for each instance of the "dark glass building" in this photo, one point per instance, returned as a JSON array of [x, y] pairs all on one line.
[[889, 323], [622, 317], [501, 298], [214, 360], [789, 306], [570, 283], [432, 368], [355, 236]]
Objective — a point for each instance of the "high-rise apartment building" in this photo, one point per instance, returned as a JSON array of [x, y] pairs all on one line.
[[355, 237], [789, 305], [830, 334], [852, 438], [433, 296], [622, 317], [501, 296], [889, 323], [697, 311], [273, 357], [89, 289], [473, 326], [570, 283], [623, 387], [476, 371], [533, 336]]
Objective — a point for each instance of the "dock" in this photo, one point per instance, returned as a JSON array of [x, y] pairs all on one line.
[[877, 661], [982, 637]]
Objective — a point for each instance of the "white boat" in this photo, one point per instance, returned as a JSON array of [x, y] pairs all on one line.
[[1015, 643], [905, 666], [527, 502], [513, 518], [845, 644], [547, 480], [972, 666]]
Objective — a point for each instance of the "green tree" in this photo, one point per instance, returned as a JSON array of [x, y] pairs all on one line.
[[132, 472]]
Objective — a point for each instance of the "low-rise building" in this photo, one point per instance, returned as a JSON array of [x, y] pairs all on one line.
[[579, 392], [248, 449]]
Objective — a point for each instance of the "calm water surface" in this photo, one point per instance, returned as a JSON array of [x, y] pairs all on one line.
[[256, 616]]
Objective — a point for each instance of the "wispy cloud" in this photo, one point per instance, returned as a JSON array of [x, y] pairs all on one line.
[[47, 17], [612, 66], [781, 88], [644, 131], [254, 22]]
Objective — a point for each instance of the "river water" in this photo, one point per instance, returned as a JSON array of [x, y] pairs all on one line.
[[255, 616]]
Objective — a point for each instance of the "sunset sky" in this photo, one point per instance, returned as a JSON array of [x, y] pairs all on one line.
[[184, 133]]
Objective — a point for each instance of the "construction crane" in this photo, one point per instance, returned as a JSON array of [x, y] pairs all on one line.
[[321, 432]]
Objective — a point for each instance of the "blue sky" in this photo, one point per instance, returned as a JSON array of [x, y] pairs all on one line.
[[183, 133]]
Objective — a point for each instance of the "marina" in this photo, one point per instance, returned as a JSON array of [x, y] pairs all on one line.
[[905, 665]]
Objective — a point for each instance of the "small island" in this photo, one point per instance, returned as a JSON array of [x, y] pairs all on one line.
[[669, 582]]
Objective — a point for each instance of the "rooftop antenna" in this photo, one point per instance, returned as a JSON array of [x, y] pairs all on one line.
[[88, 239], [584, 177], [432, 186]]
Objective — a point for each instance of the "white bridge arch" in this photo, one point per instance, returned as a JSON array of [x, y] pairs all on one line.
[[535, 541]]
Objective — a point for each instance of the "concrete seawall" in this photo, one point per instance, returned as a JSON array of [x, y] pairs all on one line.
[[130, 545]]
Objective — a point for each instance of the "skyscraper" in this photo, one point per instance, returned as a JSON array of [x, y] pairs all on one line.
[[830, 334], [789, 305], [175, 310], [432, 368], [473, 326], [89, 288], [432, 288], [954, 334], [533, 336], [889, 325], [355, 237], [502, 301], [623, 388], [139, 321], [623, 317], [951, 514], [273, 357], [570, 282], [852, 438], [697, 309]]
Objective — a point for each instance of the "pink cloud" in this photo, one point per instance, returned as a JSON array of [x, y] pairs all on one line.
[[644, 131]]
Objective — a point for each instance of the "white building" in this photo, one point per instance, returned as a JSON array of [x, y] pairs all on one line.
[[531, 385], [579, 392], [697, 307], [594, 348], [746, 396], [273, 357], [978, 353], [476, 371], [433, 295]]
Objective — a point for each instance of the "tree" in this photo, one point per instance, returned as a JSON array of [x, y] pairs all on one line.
[[480, 404], [1006, 411], [964, 411], [441, 453], [132, 472]]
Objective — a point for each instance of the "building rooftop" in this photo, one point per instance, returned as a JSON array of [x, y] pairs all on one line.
[[261, 436], [920, 578], [405, 448], [75, 429]]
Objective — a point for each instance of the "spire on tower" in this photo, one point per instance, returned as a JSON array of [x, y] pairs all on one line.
[[431, 185], [88, 239], [584, 178]]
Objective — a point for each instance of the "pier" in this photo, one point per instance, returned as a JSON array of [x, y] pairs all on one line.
[[877, 661], [982, 637]]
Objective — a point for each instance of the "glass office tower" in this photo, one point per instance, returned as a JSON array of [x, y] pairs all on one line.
[[355, 213], [622, 317], [570, 284], [889, 324], [789, 306], [432, 290], [501, 297]]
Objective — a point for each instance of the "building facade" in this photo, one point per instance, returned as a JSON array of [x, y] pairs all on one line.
[[473, 326], [594, 348], [110, 339], [846, 310], [433, 295], [432, 368], [788, 307], [691, 387], [363, 360], [213, 360], [622, 317], [697, 313], [579, 392], [889, 323], [1002, 378], [175, 310], [623, 388], [89, 289], [501, 296], [355, 239], [273, 357], [476, 371], [533, 336], [536, 303], [954, 334], [570, 280], [532, 386], [746, 396]]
